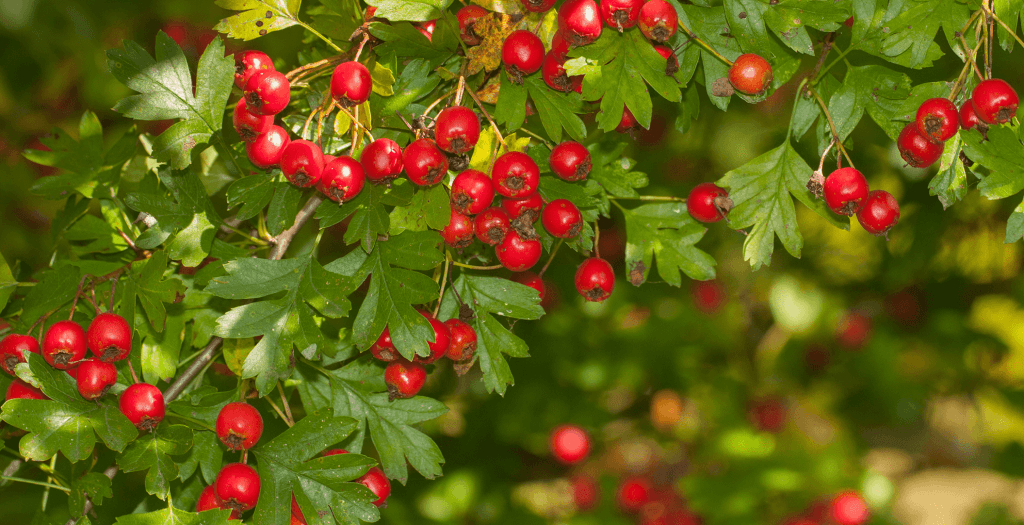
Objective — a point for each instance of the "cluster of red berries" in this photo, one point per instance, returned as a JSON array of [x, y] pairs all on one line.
[[846, 192], [454, 339], [845, 508], [921, 142]]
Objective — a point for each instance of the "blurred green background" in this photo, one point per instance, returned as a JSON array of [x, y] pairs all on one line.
[[924, 418]]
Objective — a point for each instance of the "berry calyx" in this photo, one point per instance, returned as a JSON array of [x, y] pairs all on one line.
[[849, 508], [343, 178], [528, 206], [143, 405], [467, 17], [404, 378], [19, 389], [879, 212], [384, 349], [378, 483], [658, 20], [64, 344], [569, 444], [208, 500], [533, 281], [522, 54], [462, 346], [515, 175], [95, 378], [302, 163], [239, 426], [537, 6], [238, 486], [562, 219], [937, 119], [570, 161], [708, 202], [917, 150], [457, 129], [248, 63], [579, 22], [517, 253], [969, 118], [472, 192], [13, 348], [247, 125], [595, 279], [265, 152], [459, 232], [442, 337], [671, 61], [994, 101], [620, 14], [845, 190], [633, 493], [109, 337], [382, 160], [425, 164], [267, 93], [750, 74], [492, 225], [554, 75], [351, 84]]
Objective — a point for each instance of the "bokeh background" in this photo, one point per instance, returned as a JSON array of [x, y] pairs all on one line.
[[890, 368]]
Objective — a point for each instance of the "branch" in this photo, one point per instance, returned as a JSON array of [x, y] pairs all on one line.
[[285, 238], [87, 508]]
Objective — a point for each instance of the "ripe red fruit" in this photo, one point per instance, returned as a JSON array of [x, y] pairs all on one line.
[[472, 192], [569, 444], [554, 75], [64, 344], [459, 232], [427, 28], [424, 163], [537, 6], [562, 219], [404, 379], [845, 190], [109, 337], [628, 122], [302, 163], [750, 74], [247, 125], [533, 281], [559, 45], [95, 378], [570, 161], [937, 120], [708, 296], [671, 62], [239, 426], [579, 22], [238, 486], [378, 483], [658, 20], [849, 508], [383, 348], [586, 493], [492, 225], [267, 93], [633, 493], [463, 340], [457, 129], [442, 337], [208, 500], [768, 415], [522, 53], [468, 16], [620, 14], [518, 254], [13, 348], [248, 63], [853, 330], [382, 160], [595, 279], [19, 389], [994, 101], [969, 118], [515, 175], [143, 405], [708, 203], [343, 178], [879, 213], [265, 152], [351, 84], [917, 150], [516, 208]]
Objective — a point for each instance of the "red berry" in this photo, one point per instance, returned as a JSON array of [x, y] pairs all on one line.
[[553, 72], [533, 281], [708, 296], [266, 151], [404, 379], [845, 190], [671, 62], [238, 486], [382, 160], [95, 378], [247, 125], [768, 415], [620, 14], [19, 389], [492, 225], [383, 348], [248, 63], [937, 120], [267, 93], [708, 203], [570, 161], [515, 175], [633, 493], [559, 45], [64, 344], [109, 337], [143, 405], [516, 208], [457, 129], [658, 20], [994, 101], [302, 163], [522, 53], [343, 178], [239, 426], [628, 122], [595, 279], [586, 493], [208, 500], [537, 6], [917, 150], [459, 232], [378, 483], [579, 22], [879, 213], [853, 330], [472, 192], [424, 163], [463, 340], [969, 118], [848, 508], [518, 254], [427, 28], [569, 444], [351, 84], [468, 16], [13, 348], [442, 337], [562, 219], [751, 74]]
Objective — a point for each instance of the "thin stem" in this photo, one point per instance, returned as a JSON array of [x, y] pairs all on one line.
[[286, 237], [355, 131], [547, 143], [359, 50], [693, 36], [190, 373], [356, 123], [669, 198], [488, 115], [826, 47], [828, 116], [444, 281], [131, 243], [250, 238], [309, 28], [280, 414], [227, 151], [309, 120], [438, 101], [78, 293], [135, 378], [34, 482], [551, 258], [840, 57], [597, 233], [472, 267], [460, 90], [284, 402], [997, 19], [190, 420], [313, 66], [970, 56]]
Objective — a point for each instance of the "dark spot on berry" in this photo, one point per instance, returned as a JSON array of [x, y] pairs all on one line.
[[495, 234], [459, 144], [466, 313], [514, 74], [434, 175], [110, 353], [462, 202], [253, 100], [562, 82], [62, 357], [849, 209], [583, 170], [234, 441], [575, 230], [457, 163], [595, 293], [933, 124], [722, 88], [660, 32], [515, 182], [621, 16], [10, 362], [523, 225]]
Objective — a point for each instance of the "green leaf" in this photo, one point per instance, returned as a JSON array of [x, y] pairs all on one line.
[[146, 283], [207, 453], [950, 183], [410, 10], [152, 451], [55, 288], [510, 108], [406, 41], [914, 29], [668, 231], [878, 90], [1015, 225], [430, 209], [175, 516], [7, 283], [257, 17], [160, 351], [177, 212], [788, 19], [1003, 157], [253, 193], [93, 485], [413, 84], [283, 207], [193, 243], [613, 172], [882, 31], [82, 157], [557, 111], [370, 218]]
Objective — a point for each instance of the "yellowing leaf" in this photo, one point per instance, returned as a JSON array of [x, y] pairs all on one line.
[[235, 352], [493, 30], [383, 80], [511, 7]]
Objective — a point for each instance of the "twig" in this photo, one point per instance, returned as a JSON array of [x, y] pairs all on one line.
[[314, 66], [828, 116], [285, 238], [438, 101], [551, 258], [472, 267], [444, 281], [34, 482], [488, 115], [321, 37], [970, 56], [597, 234], [280, 414], [284, 401], [359, 50], [826, 47], [78, 293], [693, 36], [1005, 26], [356, 123]]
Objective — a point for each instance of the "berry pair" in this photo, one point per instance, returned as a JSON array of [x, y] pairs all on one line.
[[109, 338], [453, 339], [237, 488], [846, 192]]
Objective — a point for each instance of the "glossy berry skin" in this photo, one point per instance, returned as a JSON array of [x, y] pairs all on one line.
[[579, 22], [19, 389], [538, 6], [658, 20], [13, 348], [208, 500], [937, 120], [457, 129], [845, 190], [518, 254], [628, 122], [994, 101], [848, 508], [404, 379], [378, 483], [472, 192], [247, 125], [515, 175], [516, 208], [459, 232], [442, 337], [267, 93], [463, 340], [633, 493], [879, 213], [384, 349], [671, 61], [522, 53], [109, 337], [467, 17], [569, 444], [917, 150], [620, 14], [559, 45], [382, 160], [351, 84], [64, 344], [248, 63], [302, 163], [426, 28], [143, 405], [595, 279], [707, 202], [343, 178], [95, 378], [238, 486], [492, 225], [554, 75], [968, 117], [750, 74], [562, 219], [239, 426], [265, 152], [425, 164], [533, 281], [570, 161]]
